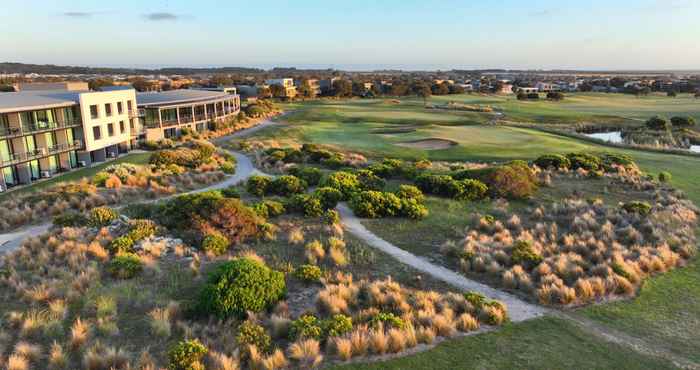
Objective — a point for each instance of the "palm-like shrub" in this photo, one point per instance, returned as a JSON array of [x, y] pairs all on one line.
[[102, 216], [187, 355]]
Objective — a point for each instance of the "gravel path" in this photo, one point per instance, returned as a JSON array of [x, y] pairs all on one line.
[[518, 310]]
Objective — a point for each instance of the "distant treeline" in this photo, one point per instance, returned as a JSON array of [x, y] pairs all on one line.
[[54, 69]]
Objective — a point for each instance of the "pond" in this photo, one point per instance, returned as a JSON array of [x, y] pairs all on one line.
[[616, 137]]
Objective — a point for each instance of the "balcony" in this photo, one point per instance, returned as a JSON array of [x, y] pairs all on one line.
[[170, 122], [17, 158], [37, 127], [185, 119], [200, 117]]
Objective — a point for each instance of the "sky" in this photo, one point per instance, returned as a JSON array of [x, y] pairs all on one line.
[[355, 34]]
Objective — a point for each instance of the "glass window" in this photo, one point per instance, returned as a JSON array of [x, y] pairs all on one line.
[[122, 127], [73, 159], [34, 169], [94, 112], [70, 137], [120, 108], [71, 114], [5, 150], [110, 129], [152, 119], [96, 133], [4, 121], [9, 174], [30, 141], [128, 105], [27, 118], [50, 139], [108, 109], [53, 163]]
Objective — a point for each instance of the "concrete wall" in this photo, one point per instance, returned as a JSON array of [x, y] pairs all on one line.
[[100, 99]]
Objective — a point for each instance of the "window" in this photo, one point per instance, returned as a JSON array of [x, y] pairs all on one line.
[[110, 129], [96, 133], [129, 106], [122, 129], [93, 112], [131, 124], [108, 109], [120, 108]]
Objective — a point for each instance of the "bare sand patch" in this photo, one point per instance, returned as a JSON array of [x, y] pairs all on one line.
[[429, 144]]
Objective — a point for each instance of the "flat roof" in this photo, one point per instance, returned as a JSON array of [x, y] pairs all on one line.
[[30, 100], [182, 96]]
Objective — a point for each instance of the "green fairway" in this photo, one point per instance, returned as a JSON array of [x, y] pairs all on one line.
[[135, 158], [546, 343]]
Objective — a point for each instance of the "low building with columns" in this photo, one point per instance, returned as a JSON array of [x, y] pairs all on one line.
[[165, 114]]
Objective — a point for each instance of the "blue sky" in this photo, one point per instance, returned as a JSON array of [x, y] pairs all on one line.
[[356, 34]]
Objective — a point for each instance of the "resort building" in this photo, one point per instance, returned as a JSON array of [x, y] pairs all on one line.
[[43, 132], [165, 114], [290, 91]]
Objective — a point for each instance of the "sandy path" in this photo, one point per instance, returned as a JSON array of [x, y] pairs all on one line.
[[518, 310]]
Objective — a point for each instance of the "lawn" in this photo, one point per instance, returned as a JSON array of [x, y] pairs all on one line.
[[545, 343], [135, 158]]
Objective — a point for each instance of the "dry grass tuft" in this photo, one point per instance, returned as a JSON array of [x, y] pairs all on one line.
[[306, 353]]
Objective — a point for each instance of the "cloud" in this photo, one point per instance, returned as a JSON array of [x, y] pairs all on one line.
[[162, 16], [78, 14]]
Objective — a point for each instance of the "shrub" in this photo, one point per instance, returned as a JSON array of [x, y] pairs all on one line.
[[331, 217], [125, 266], [663, 177], [231, 192], [514, 180], [472, 190], [203, 148], [387, 318], [641, 208], [141, 229], [347, 183], [609, 160], [374, 204], [588, 162], [182, 157], [476, 299], [370, 181], [433, 184], [70, 219], [309, 206], [187, 355], [413, 209], [553, 160], [307, 326], [122, 244], [215, 243], [268, 208], [308, 273], [228, 168], [524, 253], [406, 192], [239, 286], [657, 123], [102, 216], [329, 197], [683, 121], [258, 185], [232, 218], [311, 175], [100, 178], [337, 325], [287, 185], [250, 333], [555, 95]]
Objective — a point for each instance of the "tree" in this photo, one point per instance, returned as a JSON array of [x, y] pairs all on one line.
[[398, 88], [305, 89], [585, 87], [618, 82], [358, 88], [555, 95], [440, 89], [7, 88], [220, 80], [657, 123], [456, 89], [97, 83], [422, 90], [683, 121], [278, 91], [342, 88], [140, 84], [671, 94], [697, 95], [264, 92]]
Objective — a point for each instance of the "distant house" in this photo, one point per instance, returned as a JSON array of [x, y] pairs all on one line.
[[290, 91], [546, 87], [314, 84], [505, 89], [528, 90], [327, 84]]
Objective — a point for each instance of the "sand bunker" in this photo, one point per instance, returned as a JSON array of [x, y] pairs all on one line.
[[393, 131], [429, 144]]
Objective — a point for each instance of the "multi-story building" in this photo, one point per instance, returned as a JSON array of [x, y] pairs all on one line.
[[46, 132], [164, 114], [290, 91]]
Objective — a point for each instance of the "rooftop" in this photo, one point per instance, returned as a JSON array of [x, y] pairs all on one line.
[[29, 100], [178, 97]]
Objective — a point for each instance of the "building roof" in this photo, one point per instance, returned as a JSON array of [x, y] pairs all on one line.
[[173, 97], [29, 100]]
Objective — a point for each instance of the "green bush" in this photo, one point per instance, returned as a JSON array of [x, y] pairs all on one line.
[[524, 253], [258, 185], [70, 219], [181, 156], [406, 192], [250, 333], [204, 149], [100, 178], [553, 160], [663, 177], [309, 206], [239, 286], [307, 326], [122, 244], [347, 183], [329, 197], [375, 204], [187, 355], [387, 318], [588, 162], [513, 180], [287, 185], [658, 124], [308, 273], [641, 208], [447, 186], [476, 299], [311, 175], [472, 190], [102, 216], [683, 121], [141, 229], [228, 168], [413, 209], [269, 208], [215, 243], [370, 181], [231, 192], [331, 217], [337, 325], [125, 266], [433, 184]]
